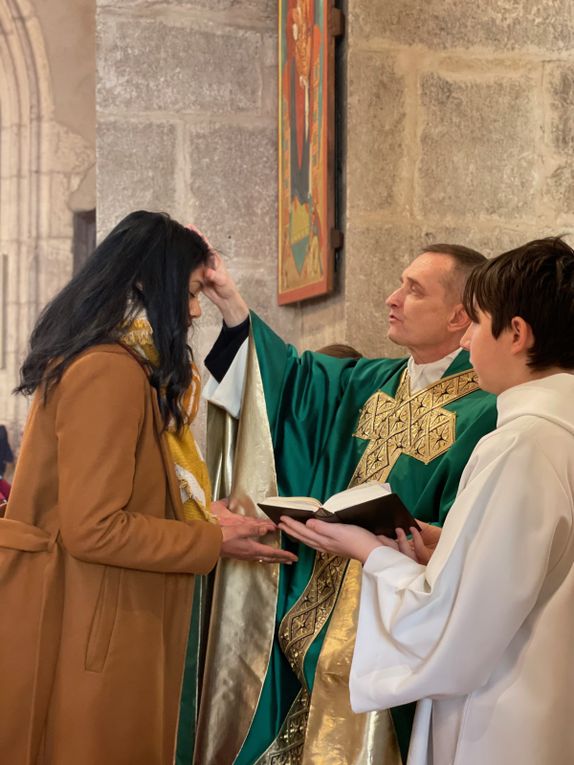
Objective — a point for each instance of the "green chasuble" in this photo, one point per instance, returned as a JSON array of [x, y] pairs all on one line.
[[334, 422]]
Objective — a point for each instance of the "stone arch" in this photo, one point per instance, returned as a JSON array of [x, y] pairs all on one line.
[[25, 132]]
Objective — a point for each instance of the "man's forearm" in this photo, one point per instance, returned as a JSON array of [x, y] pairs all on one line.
[[221, 356], [234, 310]]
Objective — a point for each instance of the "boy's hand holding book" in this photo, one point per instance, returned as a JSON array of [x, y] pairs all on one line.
[[422, 544], [352, 523], [334, 538]]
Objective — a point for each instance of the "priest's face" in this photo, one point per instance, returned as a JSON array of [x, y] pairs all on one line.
[[421, 310]]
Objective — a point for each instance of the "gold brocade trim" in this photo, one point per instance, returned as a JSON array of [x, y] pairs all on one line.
[[243, 610], [355, 739], [350, 739], [287, 749], [297, 630], [387, 422], [413, 424], [307, 617]]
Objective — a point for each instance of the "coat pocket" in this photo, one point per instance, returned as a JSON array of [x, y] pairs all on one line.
[[103, 620]]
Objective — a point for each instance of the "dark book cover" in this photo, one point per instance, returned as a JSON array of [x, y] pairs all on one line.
[[380, 515]]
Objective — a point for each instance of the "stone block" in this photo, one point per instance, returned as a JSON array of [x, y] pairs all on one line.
[[269, 75], [55, 268], [490, 240], [233, 189], [137, 168], [83, 197], [149, 65], [61, 218], [374, 261], [213, 5], [323, 321], [375, 131], [559, 194], [546, 25], [69, 152], [561, 100], [478, 147], [265, 7]]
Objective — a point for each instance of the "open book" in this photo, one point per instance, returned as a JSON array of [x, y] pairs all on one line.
[[371, 505]]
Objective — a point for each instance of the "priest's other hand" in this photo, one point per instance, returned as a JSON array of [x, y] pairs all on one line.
[[219, 287], [334, 538], [420, 547]]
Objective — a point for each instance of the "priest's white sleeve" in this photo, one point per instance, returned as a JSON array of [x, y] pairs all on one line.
[[228, 393], [440, 630]]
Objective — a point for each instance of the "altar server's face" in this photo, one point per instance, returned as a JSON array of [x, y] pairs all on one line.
[[491, 357], [424, 312]]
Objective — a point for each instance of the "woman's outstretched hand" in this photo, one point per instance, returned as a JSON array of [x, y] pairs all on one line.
[[241, 536], [219, 287]]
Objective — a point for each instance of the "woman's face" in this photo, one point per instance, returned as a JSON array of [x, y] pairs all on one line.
[[196, 282]]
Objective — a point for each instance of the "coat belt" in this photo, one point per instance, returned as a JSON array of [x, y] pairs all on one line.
[[17, 535]]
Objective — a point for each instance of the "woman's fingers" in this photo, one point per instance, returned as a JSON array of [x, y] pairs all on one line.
[[272, 554]]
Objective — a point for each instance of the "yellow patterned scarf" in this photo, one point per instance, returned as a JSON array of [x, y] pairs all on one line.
[[190, 467]]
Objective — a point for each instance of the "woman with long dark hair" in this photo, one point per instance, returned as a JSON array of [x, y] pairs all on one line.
[[110, 513]]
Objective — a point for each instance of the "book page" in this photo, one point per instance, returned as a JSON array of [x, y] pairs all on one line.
[[357, 495], [300, 503]]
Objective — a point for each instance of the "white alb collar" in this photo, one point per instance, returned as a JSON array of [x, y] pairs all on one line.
[[422, 375]]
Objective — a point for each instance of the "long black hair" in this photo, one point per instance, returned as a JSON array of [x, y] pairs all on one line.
[[144, 262]]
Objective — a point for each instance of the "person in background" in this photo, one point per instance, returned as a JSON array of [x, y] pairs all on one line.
[[340, 351], [6, 453]]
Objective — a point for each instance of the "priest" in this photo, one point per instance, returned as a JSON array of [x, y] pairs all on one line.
[[313, 425], [483, 633]]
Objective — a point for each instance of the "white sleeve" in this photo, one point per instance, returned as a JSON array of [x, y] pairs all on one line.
[[228, 394], [428, 631]]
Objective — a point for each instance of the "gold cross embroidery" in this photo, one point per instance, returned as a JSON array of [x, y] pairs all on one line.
[[416, 425]]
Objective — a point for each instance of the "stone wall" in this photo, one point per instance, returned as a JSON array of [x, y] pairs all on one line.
[[47, 157], [459, 128], [186, 100], [186, 105], [456, 126]]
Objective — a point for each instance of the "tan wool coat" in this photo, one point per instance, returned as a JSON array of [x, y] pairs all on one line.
[[96, 576]]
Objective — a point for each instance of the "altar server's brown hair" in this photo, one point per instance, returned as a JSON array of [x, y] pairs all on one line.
[[535, 282]]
